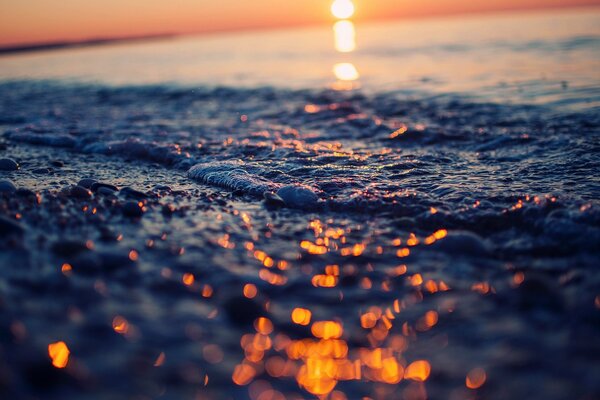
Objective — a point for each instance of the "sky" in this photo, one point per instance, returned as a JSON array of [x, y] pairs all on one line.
[[43, 21]]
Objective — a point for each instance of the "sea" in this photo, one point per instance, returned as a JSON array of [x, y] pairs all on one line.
[[402, 209]]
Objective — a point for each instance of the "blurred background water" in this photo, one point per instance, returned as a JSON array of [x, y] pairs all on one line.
[[549, 57]]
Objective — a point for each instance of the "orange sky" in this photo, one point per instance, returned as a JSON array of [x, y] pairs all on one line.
[[35, 21]]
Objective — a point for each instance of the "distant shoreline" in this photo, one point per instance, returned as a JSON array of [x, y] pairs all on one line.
[[27, 48], [65, 44]]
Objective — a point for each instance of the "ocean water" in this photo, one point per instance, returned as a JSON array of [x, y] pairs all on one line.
[[406, 209], [542, 58]]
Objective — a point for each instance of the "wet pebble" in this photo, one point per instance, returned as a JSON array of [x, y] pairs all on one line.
[[80, 192], [273, 200], [106, 186], [87, 183], [42, 171], [7, 164], [105, 191], [7, 186], [133, 209], [163, 188], [298, 197], [57, 163], [136, 194]]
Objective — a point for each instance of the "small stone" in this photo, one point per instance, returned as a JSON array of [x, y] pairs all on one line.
[[298, 197], [136, 194], [163, 188], [7, 186], [273, 200], [80, 192], [87, 182], [6, 164], [42, 171], [99, 185], [133, 209], [105, 191], [57, 163]]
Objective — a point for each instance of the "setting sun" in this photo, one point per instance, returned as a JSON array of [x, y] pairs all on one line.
[[342, 9]]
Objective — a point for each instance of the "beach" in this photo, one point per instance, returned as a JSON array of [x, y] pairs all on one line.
[[422, 224]]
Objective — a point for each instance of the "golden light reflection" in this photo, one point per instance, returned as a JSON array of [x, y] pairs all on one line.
[[344, 42], [342, 9], [66, 269], [301, 316], [160, 360], [250, 290], [329, 350], [345, 72], [120, 325], [345, 36], [59, 353], [418, 371], [475, 378]]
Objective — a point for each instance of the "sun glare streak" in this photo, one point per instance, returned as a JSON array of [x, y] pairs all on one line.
[[345, 36], [345, 72], [342, 9]]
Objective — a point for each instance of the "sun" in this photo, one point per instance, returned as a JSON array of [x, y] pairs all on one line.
[[342, 9]]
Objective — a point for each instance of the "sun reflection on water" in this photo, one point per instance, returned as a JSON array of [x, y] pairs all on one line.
[[370, 345], [345, 36], [344, 42]]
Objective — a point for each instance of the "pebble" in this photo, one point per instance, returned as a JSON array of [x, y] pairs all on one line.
[[7, 186], [7, 164], [298, 197], [133, 209], [105, 191], [28, 194], [87, 182], [80, 192], [57, 163], [273, 200], [163, 188], [99, 185], [136, 194], [42, 171], [10, 227]]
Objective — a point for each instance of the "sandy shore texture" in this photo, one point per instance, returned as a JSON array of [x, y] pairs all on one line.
[[171, 242]]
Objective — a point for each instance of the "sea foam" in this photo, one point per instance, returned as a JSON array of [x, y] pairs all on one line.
[[236, 176]]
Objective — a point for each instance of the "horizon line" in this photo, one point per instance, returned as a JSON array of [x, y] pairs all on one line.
[[30, 47]]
